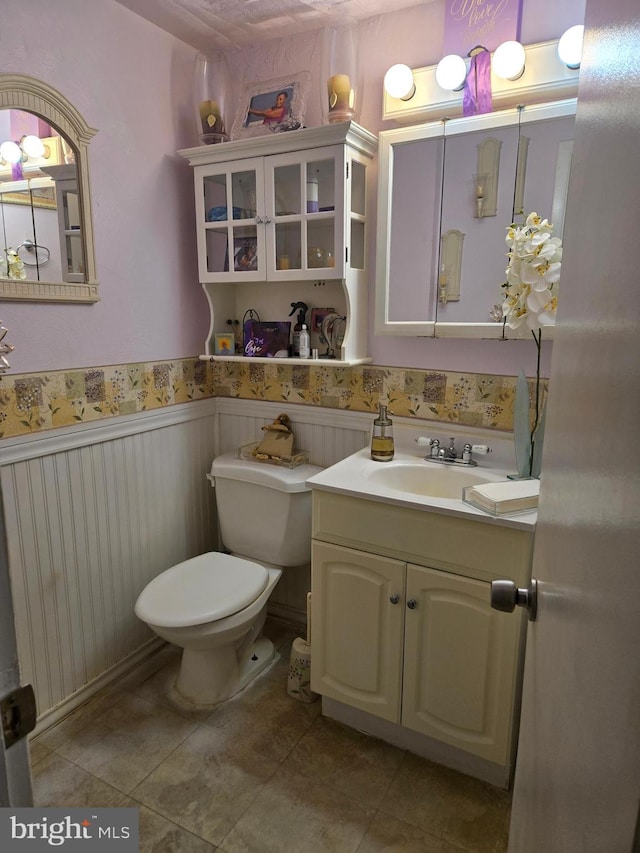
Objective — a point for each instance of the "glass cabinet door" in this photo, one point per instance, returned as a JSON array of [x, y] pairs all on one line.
[[302, 210], [231, 241]]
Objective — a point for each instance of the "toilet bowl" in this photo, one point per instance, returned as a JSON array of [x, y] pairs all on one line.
[[214, 605]]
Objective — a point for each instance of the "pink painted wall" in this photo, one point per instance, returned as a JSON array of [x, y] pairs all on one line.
[[132, 82]]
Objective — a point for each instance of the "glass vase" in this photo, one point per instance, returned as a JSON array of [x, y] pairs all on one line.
[[211, 91], [340, 81]]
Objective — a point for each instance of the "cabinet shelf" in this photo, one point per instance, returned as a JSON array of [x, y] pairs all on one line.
[[337, 362]]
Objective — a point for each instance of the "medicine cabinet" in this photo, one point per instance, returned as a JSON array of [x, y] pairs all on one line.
[[448, 190]]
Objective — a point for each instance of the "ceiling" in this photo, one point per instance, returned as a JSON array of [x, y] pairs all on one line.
[[224, 24]]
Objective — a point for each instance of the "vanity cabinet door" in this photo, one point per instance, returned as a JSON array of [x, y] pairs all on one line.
[[461, 664], [357, 627]]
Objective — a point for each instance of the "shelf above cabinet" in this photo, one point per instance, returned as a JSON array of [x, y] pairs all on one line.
[[280, 143]]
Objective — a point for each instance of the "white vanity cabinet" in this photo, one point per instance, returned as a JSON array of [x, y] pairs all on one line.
[[402, 626], [283, 218]]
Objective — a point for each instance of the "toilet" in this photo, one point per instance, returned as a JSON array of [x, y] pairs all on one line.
[[214, 606]]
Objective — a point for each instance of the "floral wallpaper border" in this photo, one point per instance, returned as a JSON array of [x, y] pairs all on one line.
[[41, 401]]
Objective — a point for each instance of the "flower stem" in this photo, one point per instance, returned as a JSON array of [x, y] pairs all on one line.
[[536, 412]]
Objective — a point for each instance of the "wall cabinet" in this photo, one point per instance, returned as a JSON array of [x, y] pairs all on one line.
[[281, 219], [402, 626]]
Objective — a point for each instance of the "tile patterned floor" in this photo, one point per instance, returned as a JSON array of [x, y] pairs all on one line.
[[262, 773]]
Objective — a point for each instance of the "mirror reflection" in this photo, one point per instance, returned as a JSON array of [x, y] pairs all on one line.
[[40, 221], [448, 192]]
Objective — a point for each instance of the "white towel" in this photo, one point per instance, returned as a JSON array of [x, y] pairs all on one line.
[[505, 496]]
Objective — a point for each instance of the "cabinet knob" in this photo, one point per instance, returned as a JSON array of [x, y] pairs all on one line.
[[394, 599], [258, 220], [412, 604], [266, 220]]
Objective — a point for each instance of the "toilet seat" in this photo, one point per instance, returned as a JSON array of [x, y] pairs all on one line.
[[203, 589]]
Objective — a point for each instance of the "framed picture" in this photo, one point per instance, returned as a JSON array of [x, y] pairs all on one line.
[[245, 254], [224, 344], [272, 106]]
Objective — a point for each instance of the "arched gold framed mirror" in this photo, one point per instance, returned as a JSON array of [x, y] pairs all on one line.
[[60, 190]]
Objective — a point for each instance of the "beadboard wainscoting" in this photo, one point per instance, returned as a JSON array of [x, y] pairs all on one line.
[[93, 513]]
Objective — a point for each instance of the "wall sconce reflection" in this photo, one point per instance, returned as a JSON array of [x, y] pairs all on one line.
[[442, 285], [480, 192]]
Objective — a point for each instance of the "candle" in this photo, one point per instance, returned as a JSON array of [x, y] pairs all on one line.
[[341, 95], [210, 117]]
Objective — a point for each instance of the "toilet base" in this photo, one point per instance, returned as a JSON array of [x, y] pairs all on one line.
[[210, 676]]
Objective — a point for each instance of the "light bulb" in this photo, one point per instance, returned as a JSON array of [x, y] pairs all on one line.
[[10, 152], [570, 46], [33, 146], [398, 82], [508, 60], [451, 72]]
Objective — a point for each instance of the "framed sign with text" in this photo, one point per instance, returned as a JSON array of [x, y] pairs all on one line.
[[469, 23]]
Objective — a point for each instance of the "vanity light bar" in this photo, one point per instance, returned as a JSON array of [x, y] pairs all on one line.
[[545, 78]]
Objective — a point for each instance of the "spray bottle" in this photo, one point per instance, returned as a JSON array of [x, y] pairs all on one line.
[[302, 309]]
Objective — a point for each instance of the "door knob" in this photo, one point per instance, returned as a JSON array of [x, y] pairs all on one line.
[[506, 596]]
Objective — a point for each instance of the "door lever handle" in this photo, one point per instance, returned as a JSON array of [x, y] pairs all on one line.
[[506, 596]]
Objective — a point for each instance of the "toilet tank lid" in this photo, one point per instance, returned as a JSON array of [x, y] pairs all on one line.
[[229, 467]]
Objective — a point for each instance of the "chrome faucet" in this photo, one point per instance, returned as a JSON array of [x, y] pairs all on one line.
[[449, 455]]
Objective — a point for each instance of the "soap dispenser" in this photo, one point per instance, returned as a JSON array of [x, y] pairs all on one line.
[[382, 437]]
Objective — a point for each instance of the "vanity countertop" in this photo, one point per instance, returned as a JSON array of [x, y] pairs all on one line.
[[359, 476]]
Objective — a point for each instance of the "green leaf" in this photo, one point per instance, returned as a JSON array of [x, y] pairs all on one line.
[[521, 428]]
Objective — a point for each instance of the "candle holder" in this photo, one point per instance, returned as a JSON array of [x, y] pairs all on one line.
[[340, 77], [210, 87]]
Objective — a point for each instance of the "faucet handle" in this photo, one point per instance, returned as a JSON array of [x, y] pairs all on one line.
[[433, 443]]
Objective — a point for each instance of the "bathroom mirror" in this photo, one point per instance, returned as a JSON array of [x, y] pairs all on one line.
[[447, 192], [45, 204]]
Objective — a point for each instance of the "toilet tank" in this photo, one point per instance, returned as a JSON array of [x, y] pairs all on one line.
[[264, 510]]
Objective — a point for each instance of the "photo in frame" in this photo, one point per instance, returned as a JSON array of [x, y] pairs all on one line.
[[224, 344], [245, 254], [271, 106]]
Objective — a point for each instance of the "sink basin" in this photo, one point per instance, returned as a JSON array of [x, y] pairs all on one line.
[[428, 478]]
